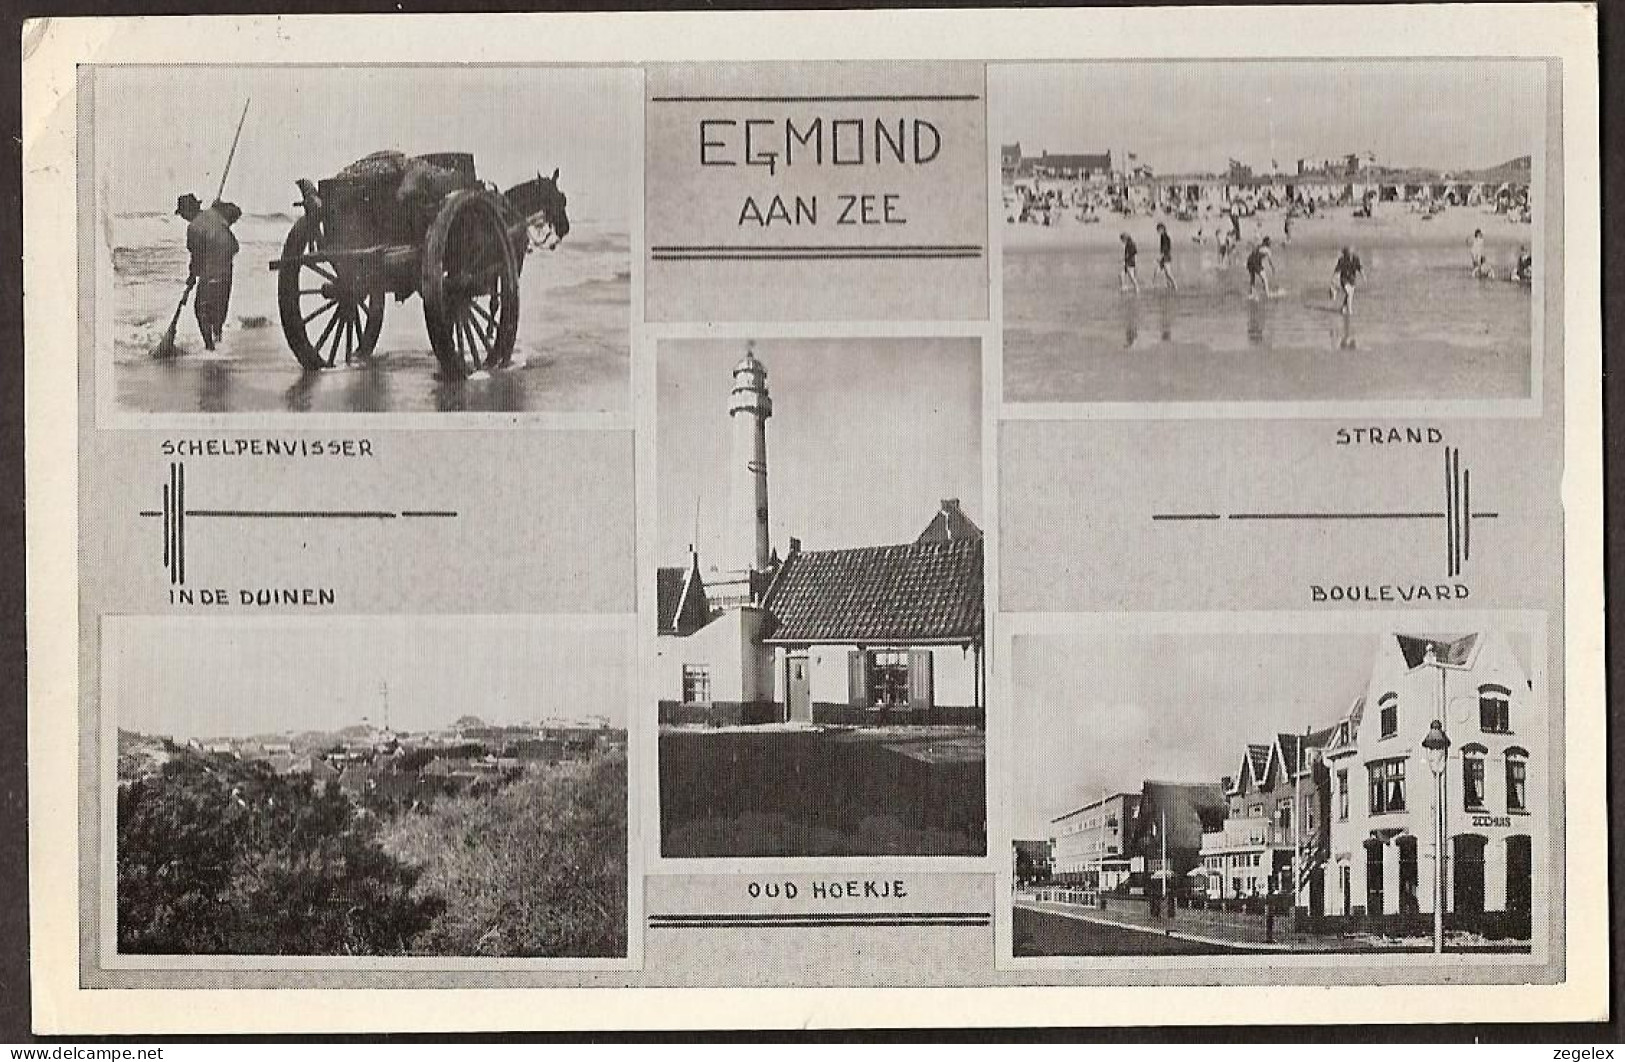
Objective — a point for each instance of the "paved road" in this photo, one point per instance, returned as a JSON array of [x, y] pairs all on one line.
[[1042, 933]]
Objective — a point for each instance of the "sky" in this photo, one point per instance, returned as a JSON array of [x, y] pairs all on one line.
[[1194, 117], [217, 679], [867, 437], [164, 131], [1098, 713]]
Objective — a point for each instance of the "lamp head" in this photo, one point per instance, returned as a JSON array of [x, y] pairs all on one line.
[[1437, 746]]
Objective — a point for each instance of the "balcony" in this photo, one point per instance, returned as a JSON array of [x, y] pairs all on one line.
[[1247, 833]]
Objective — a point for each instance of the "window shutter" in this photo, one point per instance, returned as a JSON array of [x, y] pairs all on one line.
[[857, 681], [920, 686]]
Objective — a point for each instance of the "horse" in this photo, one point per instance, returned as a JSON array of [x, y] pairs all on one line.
[[543, 206]]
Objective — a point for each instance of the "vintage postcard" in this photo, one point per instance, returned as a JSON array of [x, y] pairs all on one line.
[[685, 520]]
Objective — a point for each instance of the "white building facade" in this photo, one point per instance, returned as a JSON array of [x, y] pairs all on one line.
[[1383, 855], [1089, 846]]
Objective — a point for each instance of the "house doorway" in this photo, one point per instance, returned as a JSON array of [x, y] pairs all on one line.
[[1469, 874], [1409, 874], [1520, 875], [798, 689], [1374, 899]]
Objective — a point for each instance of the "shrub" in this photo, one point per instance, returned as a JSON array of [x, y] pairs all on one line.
[[219, 856], [536, 868]]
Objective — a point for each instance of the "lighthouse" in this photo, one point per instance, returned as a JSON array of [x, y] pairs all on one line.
[[749, 406]]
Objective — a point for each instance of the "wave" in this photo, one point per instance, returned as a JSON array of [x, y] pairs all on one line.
[[139, 231], [146, 229]]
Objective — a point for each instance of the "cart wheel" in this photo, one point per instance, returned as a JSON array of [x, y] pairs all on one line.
[[470, 285], [314, 302]]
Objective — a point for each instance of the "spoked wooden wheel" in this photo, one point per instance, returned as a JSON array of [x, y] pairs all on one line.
[[323, 315], [470, 285]]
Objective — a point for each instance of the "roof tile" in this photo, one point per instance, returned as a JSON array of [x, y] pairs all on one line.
[[909, 593]]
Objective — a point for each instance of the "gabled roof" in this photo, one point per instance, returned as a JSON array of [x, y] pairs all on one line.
[[1451, 653], [924, 591], [950, 524], [1246, 774], [681, 606], [1258, 763], [1351, 720], [1287, 747], [668, 593]]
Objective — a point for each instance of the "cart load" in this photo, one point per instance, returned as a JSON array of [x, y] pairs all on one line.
[[392, 224]]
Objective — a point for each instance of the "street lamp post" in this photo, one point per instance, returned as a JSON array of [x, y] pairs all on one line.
[[1437, 747]]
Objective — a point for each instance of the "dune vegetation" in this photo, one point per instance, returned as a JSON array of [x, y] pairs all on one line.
[[222, 856]]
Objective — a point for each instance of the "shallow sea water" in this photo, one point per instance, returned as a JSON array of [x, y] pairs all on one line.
[[1423, 328], [573, 352]]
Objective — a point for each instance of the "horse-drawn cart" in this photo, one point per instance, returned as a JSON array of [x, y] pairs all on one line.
[[395, 226]]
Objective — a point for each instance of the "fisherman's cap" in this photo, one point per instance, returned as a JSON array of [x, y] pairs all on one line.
[[187, 201]]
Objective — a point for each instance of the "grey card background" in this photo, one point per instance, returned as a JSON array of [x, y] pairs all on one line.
[[1072, 513]]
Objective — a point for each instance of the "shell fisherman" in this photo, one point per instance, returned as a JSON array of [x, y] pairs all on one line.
[[213, 248]]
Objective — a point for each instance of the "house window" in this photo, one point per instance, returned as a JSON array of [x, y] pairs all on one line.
[[1343, 795], [1256, 811], [1388, 713], [1308, 813], [1387, 786], [1494, 709], [888, 679], [1283, 814], [696, 684], [1517, 781], [1472, 779]]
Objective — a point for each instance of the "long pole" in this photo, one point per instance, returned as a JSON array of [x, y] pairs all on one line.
[[232, 154], [1438, 864], [1438, 835], [1100, 848], [1297, 832], [1166, 910]]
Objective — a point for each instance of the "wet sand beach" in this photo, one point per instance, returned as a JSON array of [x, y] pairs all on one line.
[[1422, 327], [573, 352]]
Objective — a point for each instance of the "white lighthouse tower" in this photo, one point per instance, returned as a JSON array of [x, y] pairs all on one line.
[[749, 406]]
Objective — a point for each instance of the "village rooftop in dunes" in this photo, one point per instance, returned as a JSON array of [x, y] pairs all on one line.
[[418, 787], [818, 701]]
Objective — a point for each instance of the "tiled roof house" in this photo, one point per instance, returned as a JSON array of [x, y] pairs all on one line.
[[871, 634]]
